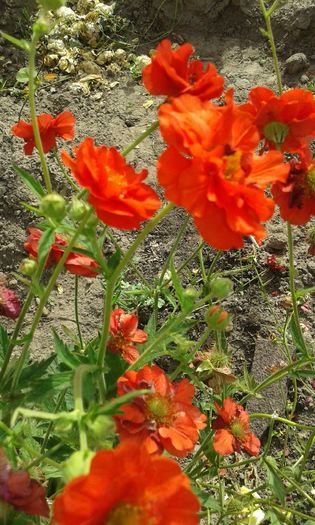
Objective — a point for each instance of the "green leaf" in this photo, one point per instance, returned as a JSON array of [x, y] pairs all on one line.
[[23, 44], [35, 370], [274, 480], [50, 385], [45, 242], [4, 341], [64, 353], [304, 291], [113, 262], [297, 339], [33, 184], [176, 283]]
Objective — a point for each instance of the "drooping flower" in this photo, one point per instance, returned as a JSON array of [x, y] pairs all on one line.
[[128, 486], [76, 263], [50, 129], [211, 170], [232, 430], [20, 491], [171, 74], [124, 332], [296, 196], [163, 419], [10, 305], [116, 191], [287, 121]]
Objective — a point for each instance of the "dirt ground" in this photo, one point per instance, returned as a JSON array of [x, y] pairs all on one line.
[[233, 42]]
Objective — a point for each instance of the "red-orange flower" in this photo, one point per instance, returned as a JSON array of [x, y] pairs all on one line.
[[211, 170], [117, 192], [296, 197], [163, 419], [20, 491], [50, 129], [10, 305], [232, 430], [128, 486], [76, 263], [124, 331], [286, 121], [171, 74]]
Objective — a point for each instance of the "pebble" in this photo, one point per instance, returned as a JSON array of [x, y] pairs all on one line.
[[296, 63], [311, 266]]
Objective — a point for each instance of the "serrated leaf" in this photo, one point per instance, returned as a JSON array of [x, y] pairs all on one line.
[[64, 353], [30, 181], [35, 370], [274, 480], [50, 385], [45, 243]]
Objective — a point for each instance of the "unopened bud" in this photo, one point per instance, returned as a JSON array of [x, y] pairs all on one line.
[[10, 305], [221, 287], [53, 206], [217, 318], [77, 209], [28, 267], [78, 464], [101, 431]]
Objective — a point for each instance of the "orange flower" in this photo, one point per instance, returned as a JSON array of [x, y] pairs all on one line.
[[117, 192], [296, 197], [49, 127], [164, 419], [124, 331], [210, 169], [128, 486], [287, 121], [20, 491], [171, 74], [76, 263], [232, 430], [10, 305]]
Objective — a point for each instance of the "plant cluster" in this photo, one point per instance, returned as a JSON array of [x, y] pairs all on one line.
[[91, 434]]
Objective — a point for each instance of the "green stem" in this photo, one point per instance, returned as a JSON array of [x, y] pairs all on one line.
[[117, 272], [293, 292], [283, 420], [31, 96], [51, 424], [267, 17], [140, 138], [43, 300], [306, 454], [76, 309], [78, 401]]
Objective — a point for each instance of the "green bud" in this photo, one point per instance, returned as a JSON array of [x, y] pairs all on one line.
[[51, 5], [77, 465], [101, 431], [28, 267], [77, 209], [191, 293], [217, 318], [221, 287], [53, 206]]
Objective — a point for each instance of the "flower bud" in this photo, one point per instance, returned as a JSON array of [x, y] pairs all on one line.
[[101, 431], [78, 464], [53, 206], [28, 266], [221, 287], [217, 318], [77, 209], [10, 305]]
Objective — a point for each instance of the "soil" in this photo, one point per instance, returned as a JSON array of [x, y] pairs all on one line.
[[233, 42]]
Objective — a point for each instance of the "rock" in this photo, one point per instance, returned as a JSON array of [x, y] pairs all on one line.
[[296, 63], [304, 79], [311, 266]]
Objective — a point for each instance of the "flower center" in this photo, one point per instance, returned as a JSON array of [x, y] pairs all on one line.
[[237, 429], [276, 132], [159, 409], [233, 169], [127, 514]]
